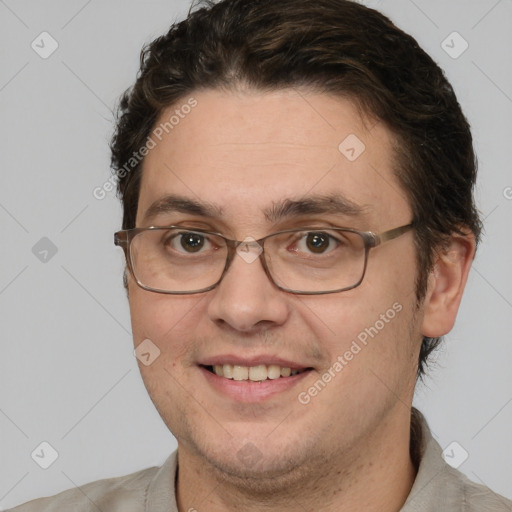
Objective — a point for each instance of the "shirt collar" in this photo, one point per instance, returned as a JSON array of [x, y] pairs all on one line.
[[160, 494], [437, 485]]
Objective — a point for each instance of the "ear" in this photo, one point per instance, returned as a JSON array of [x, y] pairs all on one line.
[[446, 284]]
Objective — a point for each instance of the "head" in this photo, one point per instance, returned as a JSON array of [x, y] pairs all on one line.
[[262, 94]]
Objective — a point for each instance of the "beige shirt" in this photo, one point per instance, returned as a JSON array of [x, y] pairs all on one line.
[[437, 487]]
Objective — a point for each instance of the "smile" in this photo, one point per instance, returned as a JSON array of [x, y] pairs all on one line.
[[256, 373]]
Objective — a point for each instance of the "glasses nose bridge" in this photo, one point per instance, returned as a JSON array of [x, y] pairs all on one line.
[[233, 245]]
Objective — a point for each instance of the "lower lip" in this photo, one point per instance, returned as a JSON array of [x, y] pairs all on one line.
[[250, 391]]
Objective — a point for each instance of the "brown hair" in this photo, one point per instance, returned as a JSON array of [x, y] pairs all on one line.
[[332, 46]]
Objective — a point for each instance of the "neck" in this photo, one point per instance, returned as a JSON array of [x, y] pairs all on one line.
[[376, 476]]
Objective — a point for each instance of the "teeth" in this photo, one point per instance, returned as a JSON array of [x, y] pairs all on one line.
[[240, 372], [254, 373], [227, 371], [274, 371], [258, 372]]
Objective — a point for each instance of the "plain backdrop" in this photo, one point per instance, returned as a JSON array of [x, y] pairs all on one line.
[[67, 370]]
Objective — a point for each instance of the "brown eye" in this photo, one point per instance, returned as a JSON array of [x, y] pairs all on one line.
[[191, 242], [317, 242], [187, 242]]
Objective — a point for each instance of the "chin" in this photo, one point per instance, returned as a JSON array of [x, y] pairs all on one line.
[[255, 471], [256, 462]]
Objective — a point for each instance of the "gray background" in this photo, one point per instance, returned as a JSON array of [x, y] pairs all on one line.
[[68, 374]]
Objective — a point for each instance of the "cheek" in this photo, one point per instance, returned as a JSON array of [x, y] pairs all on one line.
[[372, 355], [339, 319], [372, 325], [168, 321], [158, 314]]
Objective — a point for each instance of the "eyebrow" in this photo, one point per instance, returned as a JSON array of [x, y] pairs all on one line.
[[173, 203], [311, 205], [331, 204]]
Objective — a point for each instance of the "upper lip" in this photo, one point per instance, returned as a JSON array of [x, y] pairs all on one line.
[[253, 361]]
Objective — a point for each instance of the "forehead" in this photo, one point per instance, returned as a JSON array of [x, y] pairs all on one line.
[[246, 151]]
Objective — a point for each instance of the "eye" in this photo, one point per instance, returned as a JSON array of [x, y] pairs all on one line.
[[188, 242], [316, 242]]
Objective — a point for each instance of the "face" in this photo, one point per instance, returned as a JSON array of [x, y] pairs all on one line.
[[244, 155]]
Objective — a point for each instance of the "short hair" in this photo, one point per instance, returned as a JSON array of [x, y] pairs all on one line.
[[337, 47]]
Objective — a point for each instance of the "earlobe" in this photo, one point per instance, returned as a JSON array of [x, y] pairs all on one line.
[[446, 284]]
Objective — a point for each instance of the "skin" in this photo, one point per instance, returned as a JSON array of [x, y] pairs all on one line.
[[348, 448]]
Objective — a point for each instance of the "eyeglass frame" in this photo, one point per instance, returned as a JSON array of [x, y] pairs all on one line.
[[123, 239]]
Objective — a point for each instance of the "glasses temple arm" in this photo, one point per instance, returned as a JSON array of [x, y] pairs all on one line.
[[392, 233]]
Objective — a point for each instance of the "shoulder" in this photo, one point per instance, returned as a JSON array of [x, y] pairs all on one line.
[[438, 485], [125, 493], [478, 497]]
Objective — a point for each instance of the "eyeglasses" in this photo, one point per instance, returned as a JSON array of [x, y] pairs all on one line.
[[306, 260]]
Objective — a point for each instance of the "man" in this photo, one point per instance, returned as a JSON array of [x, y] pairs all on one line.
[[299, 226]]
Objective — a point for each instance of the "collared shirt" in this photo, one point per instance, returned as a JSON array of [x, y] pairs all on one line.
[[437, 488]]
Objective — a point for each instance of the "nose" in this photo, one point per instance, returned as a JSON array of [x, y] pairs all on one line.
[[246, 299]]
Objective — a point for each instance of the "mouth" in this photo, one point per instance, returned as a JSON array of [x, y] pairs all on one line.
[[258, 373]]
